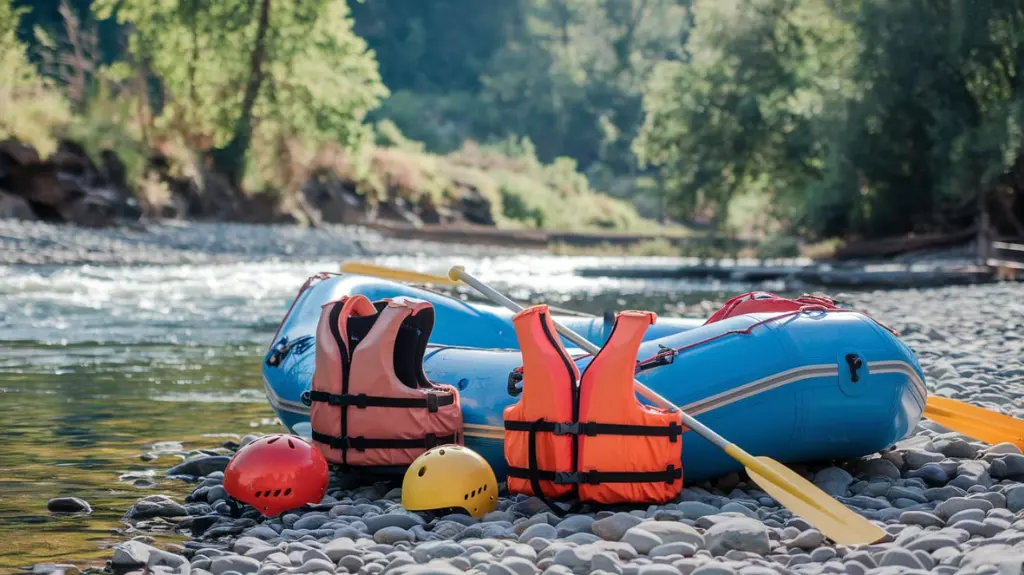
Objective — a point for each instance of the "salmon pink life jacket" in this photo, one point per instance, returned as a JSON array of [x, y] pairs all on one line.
[[371, 404], [595, 442]]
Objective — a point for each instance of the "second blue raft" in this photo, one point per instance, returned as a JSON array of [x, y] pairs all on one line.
[[785, 390]]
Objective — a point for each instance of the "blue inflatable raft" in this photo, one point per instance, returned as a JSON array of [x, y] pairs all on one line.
[[815, 386]]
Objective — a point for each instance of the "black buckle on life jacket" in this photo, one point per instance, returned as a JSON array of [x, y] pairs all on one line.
[[358, 400], [568, 477], [432, 402], [430, 441], [575, 428]]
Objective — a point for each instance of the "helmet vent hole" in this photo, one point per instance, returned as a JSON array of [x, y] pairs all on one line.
[[485, 488], [289, 492], [257, 494], [273, 440], [472, 493], [422, 471], [466, 496], [276, 493], [290, 444]]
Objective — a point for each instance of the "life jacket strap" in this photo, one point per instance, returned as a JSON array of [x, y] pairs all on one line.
[[670, 474], [672, 431], [430, 401], [429, 441]]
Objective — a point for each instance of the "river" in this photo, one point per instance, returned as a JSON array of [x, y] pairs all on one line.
[[109, 375]]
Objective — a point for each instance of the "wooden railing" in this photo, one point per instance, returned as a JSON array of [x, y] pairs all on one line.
[[1006, 258]]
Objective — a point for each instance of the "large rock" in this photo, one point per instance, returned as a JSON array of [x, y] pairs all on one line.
[[13, 207], [740, 533], [336, 201]]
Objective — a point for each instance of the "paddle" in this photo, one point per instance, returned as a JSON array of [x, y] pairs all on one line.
[[394, 274], [829, 516]]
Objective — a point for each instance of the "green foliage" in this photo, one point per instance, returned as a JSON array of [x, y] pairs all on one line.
[[743, 114], [852, 117], [31, 108], [311, 79]]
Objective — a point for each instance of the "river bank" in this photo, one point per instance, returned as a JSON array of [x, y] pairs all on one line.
[[950, 504]]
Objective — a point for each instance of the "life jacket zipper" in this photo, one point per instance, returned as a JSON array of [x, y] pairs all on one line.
[[574, 389], [343, 350]]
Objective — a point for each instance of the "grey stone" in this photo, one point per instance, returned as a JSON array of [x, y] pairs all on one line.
[[200, 466], [402, 520], [922, 518], [614, 527], [582, 538], [620, 549], [738, 533], [392, 535], [310, 521], [68, 505], [520, 550], [975, 514], [1015, 498], [656, 569], [696, 509], [574, 557], [519, 566], [574, 524], [238, 564], [897, 557], [641, 540], [538, 530], [673, 548], [931, 542], [879, 467], [672, 532], [131, 554], [314, 566], [916, 458], [339, 548], [156, 506], [809, 539], [952, 506], [833, 480]]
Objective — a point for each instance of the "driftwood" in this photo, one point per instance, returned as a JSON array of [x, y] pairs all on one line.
[[888, 247]]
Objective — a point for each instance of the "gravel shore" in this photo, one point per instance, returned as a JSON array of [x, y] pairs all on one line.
[[949, 504], [169, 243]]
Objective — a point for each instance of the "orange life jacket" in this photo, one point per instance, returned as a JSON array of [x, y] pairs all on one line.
[[596, 442], [371, 404]]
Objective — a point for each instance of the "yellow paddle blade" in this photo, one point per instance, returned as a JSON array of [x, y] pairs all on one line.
[[835, 520], [394, 274], [973, 421]]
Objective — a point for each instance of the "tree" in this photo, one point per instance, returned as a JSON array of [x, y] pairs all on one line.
[[233, 70], [30, 106], [749, 110]]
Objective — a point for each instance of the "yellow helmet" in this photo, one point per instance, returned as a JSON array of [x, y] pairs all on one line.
[[450, 476]]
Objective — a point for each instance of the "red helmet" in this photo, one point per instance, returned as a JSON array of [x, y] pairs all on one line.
[[276, 473]]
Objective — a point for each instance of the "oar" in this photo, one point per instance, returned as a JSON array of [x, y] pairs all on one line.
[[975, 422], [394, 274], [831, 517]]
